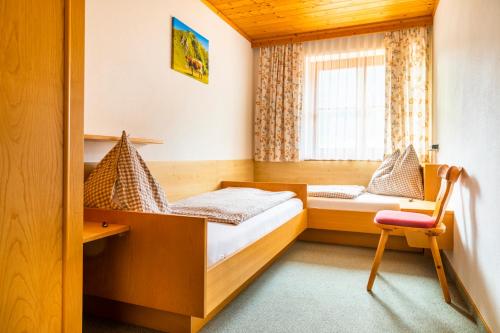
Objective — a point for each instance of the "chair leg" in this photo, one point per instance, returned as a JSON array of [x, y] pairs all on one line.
[[378, 258], [439, 268]]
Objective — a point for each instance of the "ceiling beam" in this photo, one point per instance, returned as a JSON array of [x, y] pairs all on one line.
[[345, 31]]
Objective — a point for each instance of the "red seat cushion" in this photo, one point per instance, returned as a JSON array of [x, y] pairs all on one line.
[[404, 219]]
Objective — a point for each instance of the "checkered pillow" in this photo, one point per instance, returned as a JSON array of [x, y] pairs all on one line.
[[123, 181], [399, 175]]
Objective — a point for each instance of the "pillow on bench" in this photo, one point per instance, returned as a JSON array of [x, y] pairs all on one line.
[[123, 181], [399, 175]]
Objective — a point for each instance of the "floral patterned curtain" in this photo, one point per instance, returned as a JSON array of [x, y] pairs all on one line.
[[408, 90], [278, 103]]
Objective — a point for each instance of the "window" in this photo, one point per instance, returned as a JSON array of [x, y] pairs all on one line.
[[344, 101]]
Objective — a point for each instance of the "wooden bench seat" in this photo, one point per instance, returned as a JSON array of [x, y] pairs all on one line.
[[362, 222]]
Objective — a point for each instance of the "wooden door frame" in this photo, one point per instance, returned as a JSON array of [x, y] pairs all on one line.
[[72, 256]]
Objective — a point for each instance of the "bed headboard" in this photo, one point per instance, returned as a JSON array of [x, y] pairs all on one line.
[[299, 189], [432, 182]]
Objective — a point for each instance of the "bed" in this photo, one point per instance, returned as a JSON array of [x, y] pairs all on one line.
[[350, 221], [174, 273], [223, 240]]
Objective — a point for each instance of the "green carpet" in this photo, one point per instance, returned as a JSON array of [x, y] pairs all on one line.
[[322, 288]]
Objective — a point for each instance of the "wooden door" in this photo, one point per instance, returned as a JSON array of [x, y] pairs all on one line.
[[38, 214]]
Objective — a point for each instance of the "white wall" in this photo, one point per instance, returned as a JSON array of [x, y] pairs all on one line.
[[129, 83], [467, 104]]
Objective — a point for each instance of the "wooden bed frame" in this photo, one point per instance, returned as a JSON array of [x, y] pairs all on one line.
[[156, 276], [320, 221]]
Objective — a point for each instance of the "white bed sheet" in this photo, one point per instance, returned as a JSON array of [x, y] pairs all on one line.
[[224, 239], [366, 202]]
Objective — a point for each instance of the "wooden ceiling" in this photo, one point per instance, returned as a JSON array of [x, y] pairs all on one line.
[[265, 22]]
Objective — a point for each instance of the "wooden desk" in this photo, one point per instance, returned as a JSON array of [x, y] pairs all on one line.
[[93, 230]]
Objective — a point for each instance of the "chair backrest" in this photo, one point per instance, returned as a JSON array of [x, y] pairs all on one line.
[[449, 175]]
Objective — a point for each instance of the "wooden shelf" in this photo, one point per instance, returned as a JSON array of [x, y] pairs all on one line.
[[96, 137], [93, 230]]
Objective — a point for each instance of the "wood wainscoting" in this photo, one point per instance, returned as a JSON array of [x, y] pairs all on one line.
[[181, 179], [316, 172]]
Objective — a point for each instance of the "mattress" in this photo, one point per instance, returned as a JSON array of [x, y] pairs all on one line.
[[366, 202], [224, 239]]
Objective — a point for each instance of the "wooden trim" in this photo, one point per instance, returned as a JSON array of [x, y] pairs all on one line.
[[93, 231], [354, 239], [144, 141], [299, 189], [345, 31], [452, 274], [160, 263], [72, 225], [225, 19]]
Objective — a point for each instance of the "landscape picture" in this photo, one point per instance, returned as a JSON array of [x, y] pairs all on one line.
[[189, 51]]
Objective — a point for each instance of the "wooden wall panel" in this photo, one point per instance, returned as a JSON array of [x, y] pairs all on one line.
[[432, 181], [73, 167], [181, 179], [31, 164], [316, 172]]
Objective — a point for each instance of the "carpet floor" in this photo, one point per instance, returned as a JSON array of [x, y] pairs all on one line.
[[321, 288]]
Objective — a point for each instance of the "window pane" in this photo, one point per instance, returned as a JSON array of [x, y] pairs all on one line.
[[344, 107]]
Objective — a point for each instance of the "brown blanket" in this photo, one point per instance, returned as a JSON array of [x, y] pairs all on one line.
[[230, 205]]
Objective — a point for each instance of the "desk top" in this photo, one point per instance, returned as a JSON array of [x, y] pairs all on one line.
[[93, 230]]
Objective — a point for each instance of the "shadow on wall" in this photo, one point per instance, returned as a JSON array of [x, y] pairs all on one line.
[[466, 235]]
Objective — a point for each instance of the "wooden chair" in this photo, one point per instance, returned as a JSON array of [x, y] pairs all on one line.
[[432, 226]]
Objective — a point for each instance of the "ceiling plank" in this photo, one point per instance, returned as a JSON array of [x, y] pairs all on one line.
[[226, 19], [290, 7], [275, 21], [276, 32], [312, 23]]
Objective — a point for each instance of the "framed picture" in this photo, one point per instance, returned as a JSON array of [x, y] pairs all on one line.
[[189, 51]]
